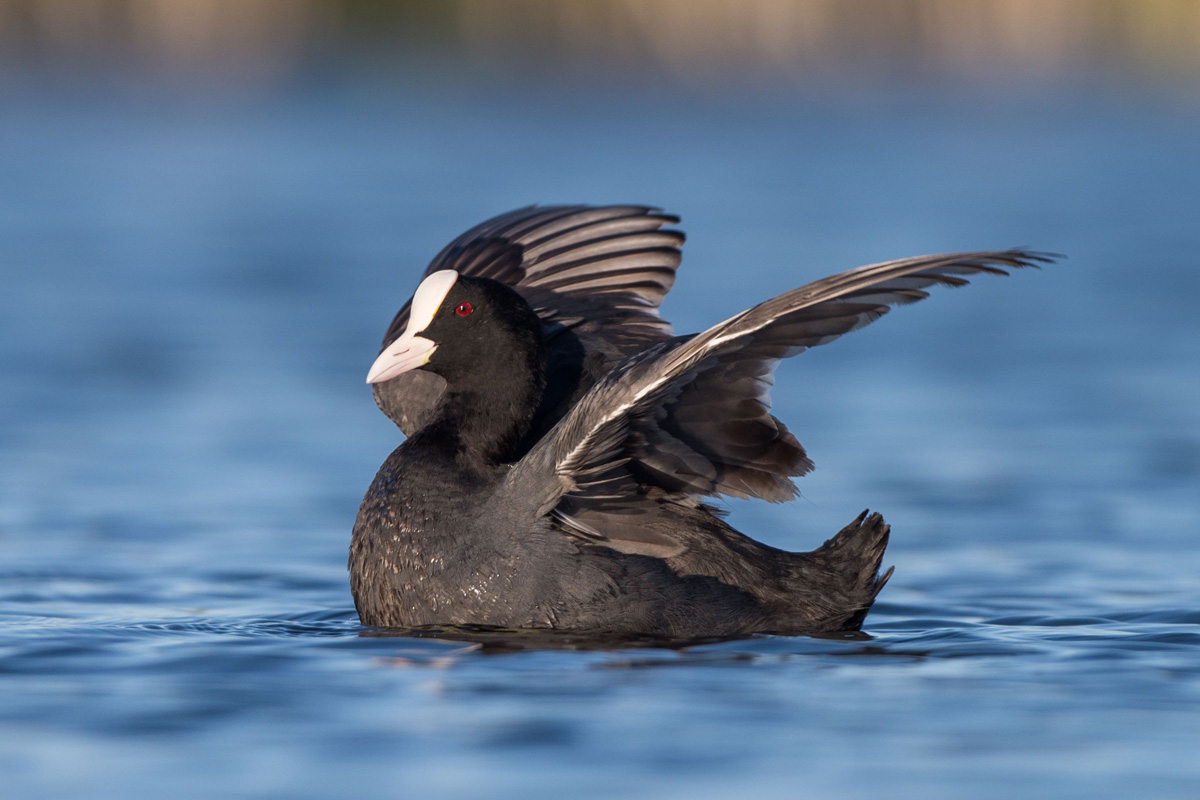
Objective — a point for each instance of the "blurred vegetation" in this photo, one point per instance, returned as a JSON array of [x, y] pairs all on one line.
[[256, 41]]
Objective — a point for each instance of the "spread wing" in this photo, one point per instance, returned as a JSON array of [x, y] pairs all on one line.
[[691, 416], [595, 275]]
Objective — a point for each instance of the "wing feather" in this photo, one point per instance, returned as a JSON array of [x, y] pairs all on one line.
[[690, 416]]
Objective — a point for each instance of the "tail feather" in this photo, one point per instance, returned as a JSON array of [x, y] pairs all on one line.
[[850, 563]]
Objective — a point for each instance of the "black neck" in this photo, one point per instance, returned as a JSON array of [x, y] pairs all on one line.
[[483, 421]]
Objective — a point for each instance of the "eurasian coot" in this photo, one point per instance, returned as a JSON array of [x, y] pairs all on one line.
[[561, 439]]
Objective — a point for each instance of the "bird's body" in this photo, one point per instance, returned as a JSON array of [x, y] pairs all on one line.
[[561, 440], [436, 544]]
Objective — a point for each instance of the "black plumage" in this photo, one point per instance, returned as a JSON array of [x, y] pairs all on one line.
[[561, 439]]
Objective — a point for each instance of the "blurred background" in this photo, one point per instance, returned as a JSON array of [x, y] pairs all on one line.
[[210, 210], [246, 45]]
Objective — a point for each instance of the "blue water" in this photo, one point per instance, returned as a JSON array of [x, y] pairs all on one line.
[[192, 292]]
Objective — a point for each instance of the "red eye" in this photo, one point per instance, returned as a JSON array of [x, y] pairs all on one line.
[[463, 309]]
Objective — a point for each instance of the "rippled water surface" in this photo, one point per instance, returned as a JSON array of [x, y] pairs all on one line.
[[193, 292]]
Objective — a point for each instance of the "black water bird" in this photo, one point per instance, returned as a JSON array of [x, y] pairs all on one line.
[[561, 439]]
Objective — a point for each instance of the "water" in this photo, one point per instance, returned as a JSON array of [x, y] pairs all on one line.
[[193, 290]]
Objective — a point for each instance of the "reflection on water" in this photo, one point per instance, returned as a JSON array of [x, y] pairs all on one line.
[[490, 639]]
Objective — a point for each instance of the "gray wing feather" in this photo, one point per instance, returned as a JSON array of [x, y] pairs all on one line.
[[691, 416]]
